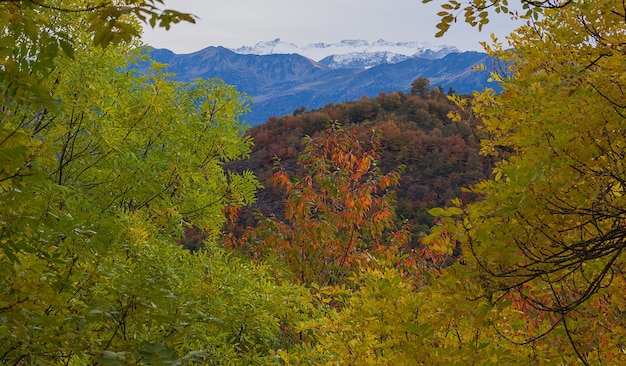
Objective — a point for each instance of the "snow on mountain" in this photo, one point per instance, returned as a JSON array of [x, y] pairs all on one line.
[[273, 47], [362, 60], [351, 49]]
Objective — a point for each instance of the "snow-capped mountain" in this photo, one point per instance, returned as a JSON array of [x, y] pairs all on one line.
[[274, 47], [279, 83], [362, 60], [353, 53]]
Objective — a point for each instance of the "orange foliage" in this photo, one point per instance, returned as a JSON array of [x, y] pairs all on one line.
[[338, 216]]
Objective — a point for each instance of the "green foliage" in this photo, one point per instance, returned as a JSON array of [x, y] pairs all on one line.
[[162, 305], [35, 33], [96, 186], [374, 326], [102, 168], [387, 320]]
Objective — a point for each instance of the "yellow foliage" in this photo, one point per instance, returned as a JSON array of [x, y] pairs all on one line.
[[547, 239]]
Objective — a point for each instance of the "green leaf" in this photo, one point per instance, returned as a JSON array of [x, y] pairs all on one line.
[[437, 211], [453, 211]]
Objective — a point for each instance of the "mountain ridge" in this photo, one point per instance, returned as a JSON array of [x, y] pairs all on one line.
[[280, 83]]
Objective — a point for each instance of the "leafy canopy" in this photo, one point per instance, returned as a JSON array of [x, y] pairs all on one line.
[[549, 235], [35, 32], [96, 185]]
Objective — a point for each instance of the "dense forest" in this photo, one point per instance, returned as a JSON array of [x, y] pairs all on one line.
[[104, 169], [438, 157]]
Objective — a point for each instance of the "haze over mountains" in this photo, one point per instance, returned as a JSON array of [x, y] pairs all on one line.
[[281, 77]]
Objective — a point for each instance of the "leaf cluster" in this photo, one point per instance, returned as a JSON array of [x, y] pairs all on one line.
[[477, 12], [335, 214], [36, 32]]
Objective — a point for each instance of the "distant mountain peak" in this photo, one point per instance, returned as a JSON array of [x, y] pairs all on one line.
[[321, 50], [275, 46], [362, 60]]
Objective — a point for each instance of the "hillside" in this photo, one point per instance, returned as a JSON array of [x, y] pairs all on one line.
[[439, 156]]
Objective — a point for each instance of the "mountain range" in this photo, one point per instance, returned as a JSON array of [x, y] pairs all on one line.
[[348, 47], [281, 77]]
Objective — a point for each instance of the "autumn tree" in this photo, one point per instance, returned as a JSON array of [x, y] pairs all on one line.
[[420, 86], [338, 216], [548, 237]]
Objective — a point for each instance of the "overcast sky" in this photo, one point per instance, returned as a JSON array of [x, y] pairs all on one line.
[[236, 23]]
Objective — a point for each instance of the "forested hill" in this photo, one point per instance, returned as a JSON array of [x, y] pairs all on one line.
[[440, 156]]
